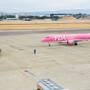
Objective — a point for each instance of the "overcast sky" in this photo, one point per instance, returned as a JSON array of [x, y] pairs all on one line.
[[42, 5]]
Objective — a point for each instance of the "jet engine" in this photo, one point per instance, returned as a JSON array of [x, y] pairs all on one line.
[[72, 43]]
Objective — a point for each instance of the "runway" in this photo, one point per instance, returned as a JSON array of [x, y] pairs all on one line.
[[22, 32]]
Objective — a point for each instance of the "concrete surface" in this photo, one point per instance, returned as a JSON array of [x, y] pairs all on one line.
[[20, 69]]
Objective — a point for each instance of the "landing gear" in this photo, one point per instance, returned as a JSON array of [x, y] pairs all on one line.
[[49, 44], [75, 43]]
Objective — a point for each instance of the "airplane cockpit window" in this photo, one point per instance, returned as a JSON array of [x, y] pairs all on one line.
[[47, 37]]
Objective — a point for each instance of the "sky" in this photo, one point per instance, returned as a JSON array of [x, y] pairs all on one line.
[[42, 5]]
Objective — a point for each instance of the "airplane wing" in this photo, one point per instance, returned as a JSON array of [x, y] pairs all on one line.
[[73, 41], [79, 40]]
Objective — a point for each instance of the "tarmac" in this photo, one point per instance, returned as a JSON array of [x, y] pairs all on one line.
[[20, 68]]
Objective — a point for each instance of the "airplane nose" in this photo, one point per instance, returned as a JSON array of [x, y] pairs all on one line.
[[46, 39], [43, 40]]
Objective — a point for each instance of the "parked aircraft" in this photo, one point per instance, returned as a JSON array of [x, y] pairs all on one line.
[[69, 39]]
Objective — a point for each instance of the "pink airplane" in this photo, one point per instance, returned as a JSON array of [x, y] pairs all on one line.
[[69, 39]]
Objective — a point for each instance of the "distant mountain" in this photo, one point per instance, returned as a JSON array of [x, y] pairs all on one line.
[[75, 11], [42, 13]]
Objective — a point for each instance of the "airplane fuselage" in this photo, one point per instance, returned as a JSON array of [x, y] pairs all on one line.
[[68, 38]]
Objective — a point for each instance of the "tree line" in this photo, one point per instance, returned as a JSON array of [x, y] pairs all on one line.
[[51, 16]]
